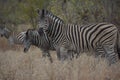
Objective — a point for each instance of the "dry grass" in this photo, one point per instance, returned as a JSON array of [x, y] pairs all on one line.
[[4, 45], [16, 65]]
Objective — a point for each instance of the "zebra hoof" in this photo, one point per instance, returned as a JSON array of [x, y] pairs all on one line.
[[25, 50]]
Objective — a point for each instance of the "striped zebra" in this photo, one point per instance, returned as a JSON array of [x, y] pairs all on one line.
[[25, 38], [12, 38], [40, 40], [98, 38]]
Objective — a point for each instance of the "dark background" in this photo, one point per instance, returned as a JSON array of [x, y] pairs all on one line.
[[19, 12]]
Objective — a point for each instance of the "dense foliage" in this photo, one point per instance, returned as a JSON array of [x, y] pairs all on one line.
[[14, 12]]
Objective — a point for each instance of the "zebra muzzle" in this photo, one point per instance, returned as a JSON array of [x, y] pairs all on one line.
[[25, 50], [1, 35]]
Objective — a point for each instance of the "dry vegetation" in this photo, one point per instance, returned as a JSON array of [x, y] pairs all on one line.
[[16, 65]]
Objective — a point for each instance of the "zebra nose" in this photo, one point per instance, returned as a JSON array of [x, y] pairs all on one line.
[[1, 35], [25, 50]]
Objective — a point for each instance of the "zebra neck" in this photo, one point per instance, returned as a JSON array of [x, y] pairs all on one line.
[[55, 30], [40, 41], [55, 26], [36, 40]]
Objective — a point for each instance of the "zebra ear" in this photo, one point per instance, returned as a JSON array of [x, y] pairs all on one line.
[[27, 32], [40, 12], [26, 35], [43, 13]]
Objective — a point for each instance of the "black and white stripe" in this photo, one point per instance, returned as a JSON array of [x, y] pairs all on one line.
[[40, 40], [81, 38], [11, 36]]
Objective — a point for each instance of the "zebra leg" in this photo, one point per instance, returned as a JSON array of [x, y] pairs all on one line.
[[110, 54], [62, 53], [46, 53], [99, 51], [67, 54], [72, 54], [58, 53]]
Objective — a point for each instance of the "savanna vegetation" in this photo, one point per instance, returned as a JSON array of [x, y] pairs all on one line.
[[19, 15], [16, 12]]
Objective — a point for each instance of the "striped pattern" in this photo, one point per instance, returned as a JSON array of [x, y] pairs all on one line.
[[12, 38], [85, 38], [40, 40], [88, 37]]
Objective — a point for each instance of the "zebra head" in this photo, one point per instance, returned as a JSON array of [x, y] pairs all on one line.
[[28, 39], [43, 19], [4, 32]]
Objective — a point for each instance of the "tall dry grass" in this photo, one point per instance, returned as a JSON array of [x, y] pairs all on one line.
[[4, 45], [16, 65]]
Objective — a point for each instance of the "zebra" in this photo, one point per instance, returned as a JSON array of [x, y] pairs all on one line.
[[11, 37], [40, 40], [23, 38], [81, 38]]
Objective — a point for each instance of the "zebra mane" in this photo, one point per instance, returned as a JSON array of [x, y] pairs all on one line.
[[43, 13], [54, 17], [31, 31]]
